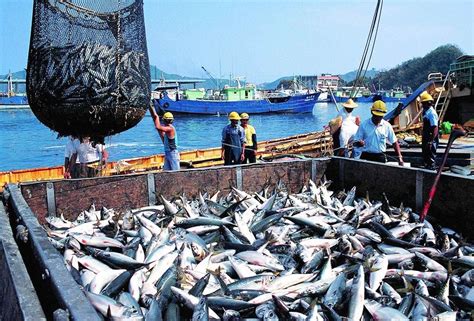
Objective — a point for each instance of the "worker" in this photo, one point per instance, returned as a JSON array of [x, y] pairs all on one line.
[[349, 126], [71, 170], [91, 156], [250, 155], [430, 138], [335, 131], [233, 141], [169, 138], [373, 135]]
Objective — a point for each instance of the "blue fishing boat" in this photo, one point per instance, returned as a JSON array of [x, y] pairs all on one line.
[[394, 95], [10, 98], [240, 99], [388, 96], [342, 94], [13, 100]]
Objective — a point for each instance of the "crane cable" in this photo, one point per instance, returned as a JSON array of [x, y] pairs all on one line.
[[369, 46]]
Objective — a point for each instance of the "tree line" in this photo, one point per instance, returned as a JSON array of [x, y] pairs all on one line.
[[412, 73]]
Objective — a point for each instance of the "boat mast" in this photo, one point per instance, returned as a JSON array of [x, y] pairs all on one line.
[[10, 92]]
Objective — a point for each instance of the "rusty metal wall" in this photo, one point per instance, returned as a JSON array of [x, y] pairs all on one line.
[[74, 196], [70, 197], [452, 204]]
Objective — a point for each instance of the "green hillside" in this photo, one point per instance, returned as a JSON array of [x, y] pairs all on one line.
[[347, 77], [414, 72]]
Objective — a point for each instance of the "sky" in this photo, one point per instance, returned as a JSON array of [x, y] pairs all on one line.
[[263, 40]]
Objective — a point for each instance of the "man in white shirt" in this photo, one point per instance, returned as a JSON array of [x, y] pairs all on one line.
[[71, 170], [90, 156], [430, 138], [373, 135], [349, 126]]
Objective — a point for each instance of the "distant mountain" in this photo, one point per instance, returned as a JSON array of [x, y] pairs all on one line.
[[273, 84], [410, 73], [347, 77], [15, 75], [157, 73], [413, 72]]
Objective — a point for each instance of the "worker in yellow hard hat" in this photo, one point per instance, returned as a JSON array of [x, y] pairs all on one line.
[[430, 139], [233, 141], [250, 155], [169, 138], [373, 135]]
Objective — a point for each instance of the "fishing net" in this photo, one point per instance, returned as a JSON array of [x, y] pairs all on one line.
[[88, 71]]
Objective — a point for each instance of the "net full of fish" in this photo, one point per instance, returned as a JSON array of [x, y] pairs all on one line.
[[88, 81], [314, 255]]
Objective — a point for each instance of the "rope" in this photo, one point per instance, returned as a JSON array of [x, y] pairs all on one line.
[[369, 46]]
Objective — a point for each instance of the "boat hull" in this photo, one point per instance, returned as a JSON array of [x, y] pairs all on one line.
[[369, 99], [294, 104], [14, 100]]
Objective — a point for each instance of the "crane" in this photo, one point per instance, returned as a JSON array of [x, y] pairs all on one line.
[[210, 76]]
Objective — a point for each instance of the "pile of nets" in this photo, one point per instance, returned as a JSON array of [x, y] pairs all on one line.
[[88, 69]]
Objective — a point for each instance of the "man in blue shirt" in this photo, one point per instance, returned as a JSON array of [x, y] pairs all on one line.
[[233, 141], [373, 135], [430, 137]]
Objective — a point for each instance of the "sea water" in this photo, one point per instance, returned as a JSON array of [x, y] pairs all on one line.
[[26, 143]]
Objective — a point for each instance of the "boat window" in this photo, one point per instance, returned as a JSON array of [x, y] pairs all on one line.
[[246, 94]]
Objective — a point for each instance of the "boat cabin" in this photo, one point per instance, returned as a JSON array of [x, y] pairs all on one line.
[[194, 94], [237, 94]]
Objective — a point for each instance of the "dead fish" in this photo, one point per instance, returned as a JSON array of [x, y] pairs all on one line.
[[269, 256]]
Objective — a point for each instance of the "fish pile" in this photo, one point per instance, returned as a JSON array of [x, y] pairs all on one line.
[[90, 74], [90, 82], [271, 255]]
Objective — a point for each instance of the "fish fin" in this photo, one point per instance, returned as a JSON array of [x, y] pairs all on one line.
[[109, 312]]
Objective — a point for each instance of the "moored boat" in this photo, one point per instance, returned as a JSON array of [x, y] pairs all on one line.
[[10, 98], [13, 100], [239, 99]]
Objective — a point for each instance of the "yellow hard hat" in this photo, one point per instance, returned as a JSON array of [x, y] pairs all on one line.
[[349, 104], [244, 116], [425, 96], [379, 108], [234, 116], [168, 116]]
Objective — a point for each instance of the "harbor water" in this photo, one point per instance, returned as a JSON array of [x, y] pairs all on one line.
[[26, 143]]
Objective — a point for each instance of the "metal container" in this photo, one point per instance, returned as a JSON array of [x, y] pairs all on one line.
[[32, 202], [18, 299]]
